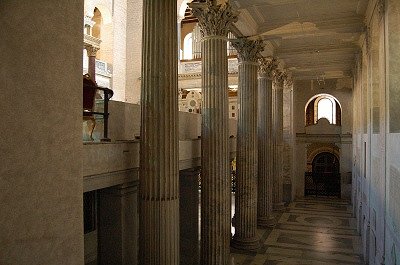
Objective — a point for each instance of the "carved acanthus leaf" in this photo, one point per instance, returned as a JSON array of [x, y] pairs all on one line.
[[248, 50], [280, 76], [267, 66], [214, 20], [91, 50]]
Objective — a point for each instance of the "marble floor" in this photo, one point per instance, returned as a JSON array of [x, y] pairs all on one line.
[[310, 231]]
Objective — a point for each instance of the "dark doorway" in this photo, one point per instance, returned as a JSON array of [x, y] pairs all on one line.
[[324, 180]]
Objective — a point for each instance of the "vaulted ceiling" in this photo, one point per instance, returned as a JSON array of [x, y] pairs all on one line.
[[314, 38]]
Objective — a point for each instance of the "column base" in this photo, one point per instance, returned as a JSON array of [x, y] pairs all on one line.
[[266, 221], [252, 243], [280, 206]]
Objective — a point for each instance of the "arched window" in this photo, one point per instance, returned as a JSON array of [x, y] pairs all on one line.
[[188, 47], [325, 110], [323, 106]]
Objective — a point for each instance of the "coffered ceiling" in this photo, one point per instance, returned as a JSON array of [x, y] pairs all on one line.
[[314, 38]]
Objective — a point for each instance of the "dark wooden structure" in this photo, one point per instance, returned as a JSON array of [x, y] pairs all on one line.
[[90, 90]]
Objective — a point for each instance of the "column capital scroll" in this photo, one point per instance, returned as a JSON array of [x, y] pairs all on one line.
[[214, 20]]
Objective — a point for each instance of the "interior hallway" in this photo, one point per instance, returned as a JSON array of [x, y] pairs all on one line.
[[310, 231]]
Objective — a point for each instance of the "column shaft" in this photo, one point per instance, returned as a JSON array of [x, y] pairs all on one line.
[[246, 177], [265, 152], [159, 182], [92, 67], [216, 185], [214, 22], [278, 147]]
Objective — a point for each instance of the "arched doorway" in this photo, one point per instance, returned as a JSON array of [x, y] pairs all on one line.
[[325, 176]]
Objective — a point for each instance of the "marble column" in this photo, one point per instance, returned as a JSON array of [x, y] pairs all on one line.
[[214, 22], [159, 181], [278, 141], [91, 52], [264, 134], [246, 163]]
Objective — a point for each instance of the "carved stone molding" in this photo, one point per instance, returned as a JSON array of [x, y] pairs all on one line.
[[267, 67], [248, 50], [280, 77], [214, 20], [91, 41], [91, 50], [288, 82], [381, 5]]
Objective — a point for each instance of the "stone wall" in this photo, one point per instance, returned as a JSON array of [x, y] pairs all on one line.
[[376, 140], [41, 140]]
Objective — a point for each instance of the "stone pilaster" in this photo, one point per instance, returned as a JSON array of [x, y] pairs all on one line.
[[159, 181], [246, 163], [214, 22], [91, 52], [265, 150], [278, 141]]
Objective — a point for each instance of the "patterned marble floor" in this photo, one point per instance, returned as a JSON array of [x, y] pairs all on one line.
[[308, 232]]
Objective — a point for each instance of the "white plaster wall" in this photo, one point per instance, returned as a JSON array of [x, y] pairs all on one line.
[[41, 140]]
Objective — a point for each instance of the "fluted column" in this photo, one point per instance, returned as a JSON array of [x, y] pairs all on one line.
[[278, 144], [214, 22], [246, 163], [265, 140], [92, 52], [159, 188]]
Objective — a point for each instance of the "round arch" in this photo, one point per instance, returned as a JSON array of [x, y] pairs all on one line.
[[311, 109], [102, 7], [182, 5]]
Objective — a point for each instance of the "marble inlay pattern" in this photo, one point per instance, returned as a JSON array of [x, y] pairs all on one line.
[[310, 231]]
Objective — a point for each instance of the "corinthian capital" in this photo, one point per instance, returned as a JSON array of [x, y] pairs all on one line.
[[288, 82], [280, 77], [267, 67], [248, 50], [91, 50], [214, 20]]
